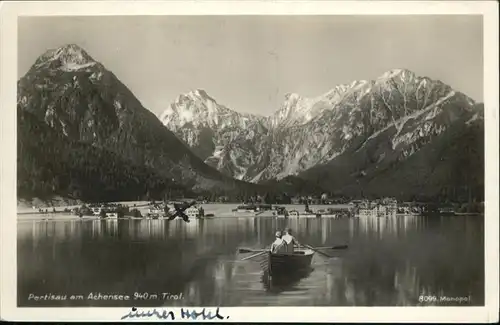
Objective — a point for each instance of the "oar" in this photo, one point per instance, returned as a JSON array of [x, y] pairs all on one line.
[[316, 250], [254, 255], [333, 247], [249, 250]]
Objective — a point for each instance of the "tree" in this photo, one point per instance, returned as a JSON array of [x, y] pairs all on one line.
[[268, 199], [286, 199]]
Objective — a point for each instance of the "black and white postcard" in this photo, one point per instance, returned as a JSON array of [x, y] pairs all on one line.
[[204, 161]]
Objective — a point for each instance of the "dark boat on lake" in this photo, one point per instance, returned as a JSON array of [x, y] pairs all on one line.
[[282, 264]]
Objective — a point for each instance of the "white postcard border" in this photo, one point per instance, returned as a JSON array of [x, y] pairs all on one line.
[[9, 12]]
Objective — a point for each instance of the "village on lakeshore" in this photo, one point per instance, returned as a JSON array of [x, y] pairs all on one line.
[[304, 206]]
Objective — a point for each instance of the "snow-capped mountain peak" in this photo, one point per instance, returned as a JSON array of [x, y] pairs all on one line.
[[402, 73], [295, 110], [391, 73], [199, 94], [196, 110], [69, 57], [292, 96], [205, 125], [195, 107]]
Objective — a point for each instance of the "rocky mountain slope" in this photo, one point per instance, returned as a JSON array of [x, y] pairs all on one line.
[[214, 132], [51, 164], [409, 110], [76, 96], [447, 163]]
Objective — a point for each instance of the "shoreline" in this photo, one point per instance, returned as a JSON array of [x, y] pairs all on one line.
[[34, 217], [220, 210]]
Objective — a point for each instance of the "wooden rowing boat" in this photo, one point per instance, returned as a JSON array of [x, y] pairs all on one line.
[[288, 263]]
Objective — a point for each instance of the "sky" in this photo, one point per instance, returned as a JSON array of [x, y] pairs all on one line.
[[249, 63]]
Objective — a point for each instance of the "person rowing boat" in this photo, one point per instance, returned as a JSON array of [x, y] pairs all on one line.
[[290, 241], [278, 246]]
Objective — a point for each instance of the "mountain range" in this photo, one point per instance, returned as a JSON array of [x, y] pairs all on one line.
[[400, 134], [385, 122]]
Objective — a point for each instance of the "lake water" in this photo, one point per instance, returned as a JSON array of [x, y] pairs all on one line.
[[389, 262]]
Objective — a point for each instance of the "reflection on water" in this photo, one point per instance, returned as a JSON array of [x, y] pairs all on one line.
[[283, 282], [389, 262]]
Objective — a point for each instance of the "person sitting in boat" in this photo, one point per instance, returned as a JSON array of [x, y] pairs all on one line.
[[289, 240], [278, 246]]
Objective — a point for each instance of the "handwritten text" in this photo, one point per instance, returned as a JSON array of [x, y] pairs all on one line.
[[165, 314]]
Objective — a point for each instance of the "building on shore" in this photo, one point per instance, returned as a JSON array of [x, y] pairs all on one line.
[[383, 208]]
